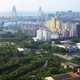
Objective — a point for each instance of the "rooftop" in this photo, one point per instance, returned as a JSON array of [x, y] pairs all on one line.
[[49, 78], [68, 76]]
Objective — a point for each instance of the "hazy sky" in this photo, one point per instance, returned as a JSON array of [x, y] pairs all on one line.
[[33, 5]]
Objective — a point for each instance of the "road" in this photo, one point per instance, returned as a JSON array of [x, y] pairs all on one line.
[[64, 56]]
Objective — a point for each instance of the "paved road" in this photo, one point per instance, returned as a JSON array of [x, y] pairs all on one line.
[[78, 56], [64, 56]]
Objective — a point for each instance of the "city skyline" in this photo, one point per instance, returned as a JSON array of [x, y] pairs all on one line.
[[33, 5]]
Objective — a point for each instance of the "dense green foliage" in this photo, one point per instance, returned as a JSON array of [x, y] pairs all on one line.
[[76, 40], [13, 66], [28, 66]]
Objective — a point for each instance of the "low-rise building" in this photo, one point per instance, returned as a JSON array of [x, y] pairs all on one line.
[[49, 78], [67, 76], [23, 50]]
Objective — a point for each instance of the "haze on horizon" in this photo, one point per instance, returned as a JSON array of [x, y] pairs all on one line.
[[33, 5]]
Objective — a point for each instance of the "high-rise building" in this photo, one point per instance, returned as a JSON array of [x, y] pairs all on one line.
[[14, 17], [54, 25], [41, 14], [63, 29], [69, 28], [78, 30], [43, 35], [14, 13]]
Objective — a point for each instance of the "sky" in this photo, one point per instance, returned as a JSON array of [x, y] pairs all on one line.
[[33, 5]]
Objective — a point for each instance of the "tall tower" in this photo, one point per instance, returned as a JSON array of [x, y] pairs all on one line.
[[41, 14], [41, 17], [14, 13], [14, 17]]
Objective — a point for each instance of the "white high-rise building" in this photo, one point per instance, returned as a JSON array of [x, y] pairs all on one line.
[[54, 35], [43, 35], [46, 35], [39, 34]]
